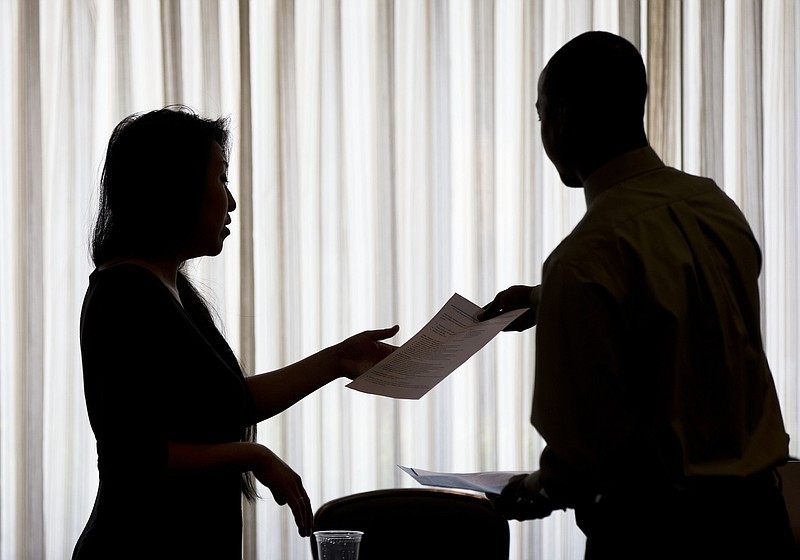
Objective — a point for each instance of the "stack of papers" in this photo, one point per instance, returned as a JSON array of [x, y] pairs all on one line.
[[491, 482]]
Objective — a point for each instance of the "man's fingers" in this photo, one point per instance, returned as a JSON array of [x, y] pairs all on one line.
[[490, 310]]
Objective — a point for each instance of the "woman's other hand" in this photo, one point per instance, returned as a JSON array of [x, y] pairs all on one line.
[[287, 488]]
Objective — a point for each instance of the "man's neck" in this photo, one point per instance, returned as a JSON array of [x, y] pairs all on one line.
[[601, 155]]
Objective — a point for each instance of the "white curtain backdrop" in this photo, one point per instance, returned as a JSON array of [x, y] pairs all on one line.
[[386, 154]]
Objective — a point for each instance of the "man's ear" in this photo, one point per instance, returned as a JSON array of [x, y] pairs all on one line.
[[566, 124], [564, 116]]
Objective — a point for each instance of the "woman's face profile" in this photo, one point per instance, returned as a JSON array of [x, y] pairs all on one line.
[[216, 206]]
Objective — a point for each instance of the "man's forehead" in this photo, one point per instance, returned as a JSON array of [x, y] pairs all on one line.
[[540, 88], [542, 78]]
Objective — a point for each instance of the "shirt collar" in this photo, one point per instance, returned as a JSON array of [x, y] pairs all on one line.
[[621, 168]]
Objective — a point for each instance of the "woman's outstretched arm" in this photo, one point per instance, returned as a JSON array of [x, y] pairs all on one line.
[[275, 391]]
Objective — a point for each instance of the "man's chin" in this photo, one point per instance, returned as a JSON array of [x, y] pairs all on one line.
[[571, 181]]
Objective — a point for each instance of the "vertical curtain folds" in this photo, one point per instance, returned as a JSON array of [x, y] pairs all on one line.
[[385, 155]]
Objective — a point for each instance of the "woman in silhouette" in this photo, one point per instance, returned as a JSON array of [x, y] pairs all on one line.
[[173, 414]]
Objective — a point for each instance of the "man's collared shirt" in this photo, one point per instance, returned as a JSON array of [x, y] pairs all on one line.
[[649, 357]]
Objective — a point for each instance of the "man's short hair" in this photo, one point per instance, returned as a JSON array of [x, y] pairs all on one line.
[[598, 72]]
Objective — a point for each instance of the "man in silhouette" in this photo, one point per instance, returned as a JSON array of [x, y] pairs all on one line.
[[652, 389]]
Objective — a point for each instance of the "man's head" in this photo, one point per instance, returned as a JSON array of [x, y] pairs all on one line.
[[591, 103]]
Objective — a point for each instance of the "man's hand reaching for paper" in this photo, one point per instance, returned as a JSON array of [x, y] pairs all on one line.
[[515, 297]]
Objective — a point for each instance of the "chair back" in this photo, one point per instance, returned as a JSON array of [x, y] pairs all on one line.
[[419, 523]]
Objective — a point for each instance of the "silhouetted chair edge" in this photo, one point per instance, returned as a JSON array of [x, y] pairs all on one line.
[[419, 523]]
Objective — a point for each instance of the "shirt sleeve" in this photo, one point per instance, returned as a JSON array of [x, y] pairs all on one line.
[[578, 393]]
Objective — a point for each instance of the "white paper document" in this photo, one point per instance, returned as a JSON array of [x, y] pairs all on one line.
[[491, 482], [444, 344]]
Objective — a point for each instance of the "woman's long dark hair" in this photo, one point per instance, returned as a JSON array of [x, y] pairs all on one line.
[[151, 192], [152, 183]]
